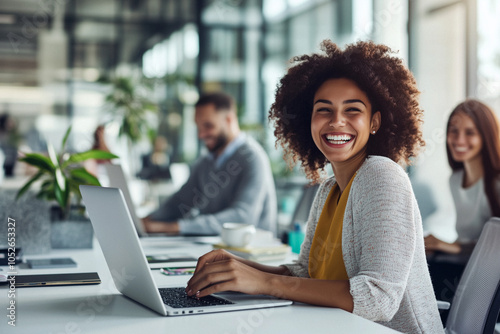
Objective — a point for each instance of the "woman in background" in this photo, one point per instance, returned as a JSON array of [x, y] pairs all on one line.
[[473, 149], [93, 165], [357, 111]]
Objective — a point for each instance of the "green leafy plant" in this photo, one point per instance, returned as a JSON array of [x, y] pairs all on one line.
[[61, 174], [130, 101]]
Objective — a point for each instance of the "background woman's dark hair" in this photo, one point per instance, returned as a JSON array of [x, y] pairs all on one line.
[[389, 85], [488, 127]]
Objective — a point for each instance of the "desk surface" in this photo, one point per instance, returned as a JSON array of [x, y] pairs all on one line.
[[102, 309]]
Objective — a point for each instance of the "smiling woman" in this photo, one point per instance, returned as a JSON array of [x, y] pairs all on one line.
[[341, 124], [385, 82], [473, 149], [356, 110]]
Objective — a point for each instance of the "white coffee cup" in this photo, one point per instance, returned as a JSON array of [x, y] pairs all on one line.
[[237, 234]]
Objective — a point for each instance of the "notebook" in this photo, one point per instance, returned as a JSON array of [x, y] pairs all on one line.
[[129, 269]]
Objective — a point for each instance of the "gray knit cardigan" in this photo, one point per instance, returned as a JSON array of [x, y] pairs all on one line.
[[382, 248]]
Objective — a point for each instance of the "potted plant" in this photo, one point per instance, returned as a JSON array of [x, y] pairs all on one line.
[[129, 102], [61, 175]]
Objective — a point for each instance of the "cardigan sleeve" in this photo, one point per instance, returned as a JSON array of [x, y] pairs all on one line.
[[384, 237]]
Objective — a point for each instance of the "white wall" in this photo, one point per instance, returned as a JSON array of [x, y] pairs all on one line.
[[439, 66], [390, 19], [440, 70]]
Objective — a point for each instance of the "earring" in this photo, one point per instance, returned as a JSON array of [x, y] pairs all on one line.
[[373, 132]]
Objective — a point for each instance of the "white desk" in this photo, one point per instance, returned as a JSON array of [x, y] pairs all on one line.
[[101, 309]]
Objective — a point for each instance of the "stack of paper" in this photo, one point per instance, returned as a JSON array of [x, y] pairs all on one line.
[[259, 252]]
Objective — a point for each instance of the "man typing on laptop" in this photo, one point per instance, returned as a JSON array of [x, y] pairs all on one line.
[[231, 183]]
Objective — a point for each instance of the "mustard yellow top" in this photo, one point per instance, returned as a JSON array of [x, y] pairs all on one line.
[[325, 258]]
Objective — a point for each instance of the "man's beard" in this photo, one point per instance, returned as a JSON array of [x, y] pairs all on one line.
[[219, 143]]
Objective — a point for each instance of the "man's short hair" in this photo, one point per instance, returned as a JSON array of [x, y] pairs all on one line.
[[221, 101]]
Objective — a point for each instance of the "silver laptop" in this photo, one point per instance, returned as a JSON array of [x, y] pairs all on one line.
[[127, 263], [117, 179]]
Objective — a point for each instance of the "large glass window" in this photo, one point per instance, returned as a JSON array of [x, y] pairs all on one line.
[[488, 52]]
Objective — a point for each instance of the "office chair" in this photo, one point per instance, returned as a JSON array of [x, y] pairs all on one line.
[[301, 212], [476, 304]]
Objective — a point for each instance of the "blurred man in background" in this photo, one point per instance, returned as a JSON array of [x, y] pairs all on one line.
[[232, 182]]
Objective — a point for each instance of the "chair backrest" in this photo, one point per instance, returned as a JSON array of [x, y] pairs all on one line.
[[476, 304], [301, 212]]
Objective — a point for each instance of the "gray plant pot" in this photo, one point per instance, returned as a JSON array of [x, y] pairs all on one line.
[[74, 232], [30, 218]]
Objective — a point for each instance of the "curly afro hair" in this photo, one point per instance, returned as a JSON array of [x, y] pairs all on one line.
[[389, 85]]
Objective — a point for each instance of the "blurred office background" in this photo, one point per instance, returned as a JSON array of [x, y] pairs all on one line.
[[62, 60]]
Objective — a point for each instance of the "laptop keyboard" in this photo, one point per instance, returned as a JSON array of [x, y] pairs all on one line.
[[177, 298]]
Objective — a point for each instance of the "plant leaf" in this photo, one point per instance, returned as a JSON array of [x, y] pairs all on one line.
[[74, 186], [52, 154], [63, 197], [151, 107], [47, 190], [84, 177], [58, 174], [60, 197], [38, 160], [90, 154], [65, 139], [60, 178], [28, 184]]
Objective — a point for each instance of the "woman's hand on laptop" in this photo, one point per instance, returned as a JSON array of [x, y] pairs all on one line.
[[219, 271], [153, 226]]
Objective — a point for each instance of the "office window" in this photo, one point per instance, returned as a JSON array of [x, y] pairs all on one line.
[[95, 8], [325, 23], [225, 45], [301, 29], [488, 52]]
